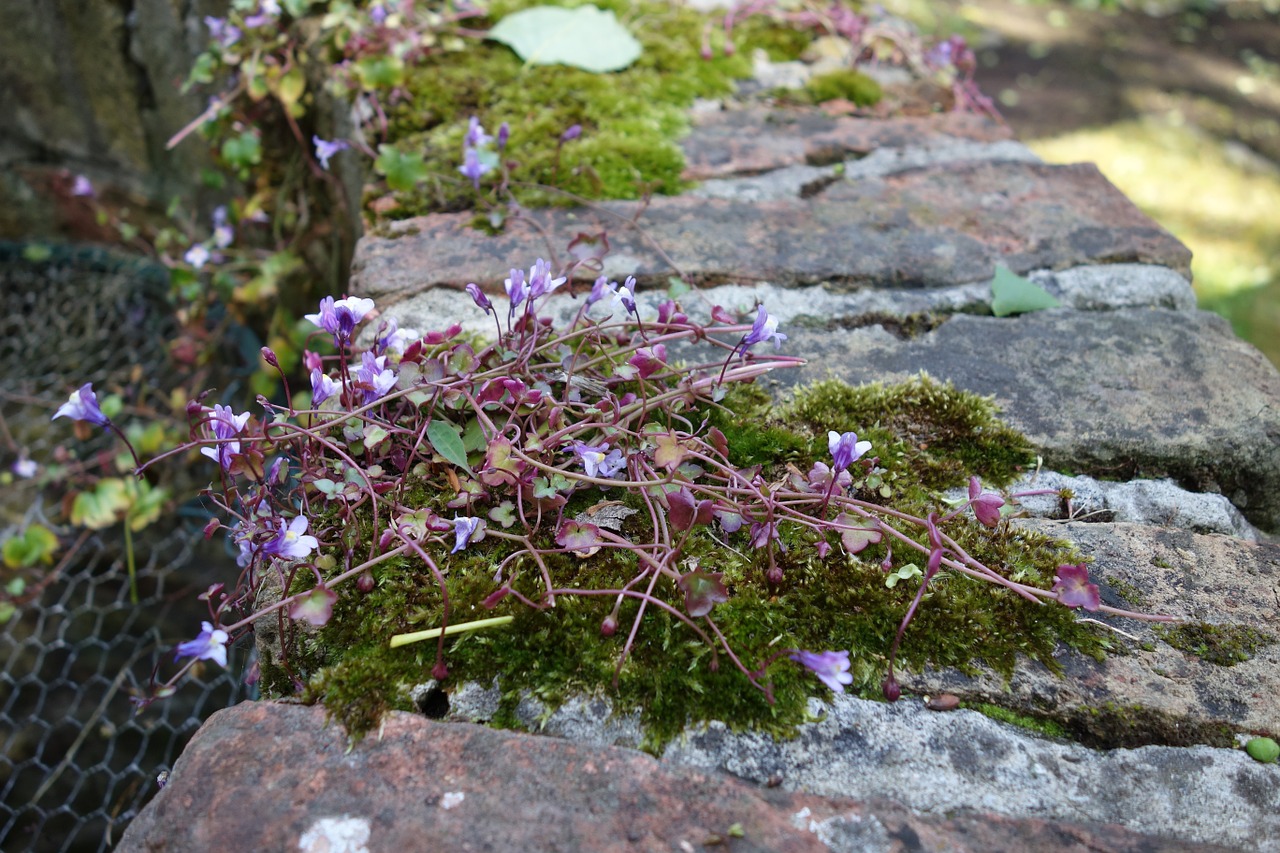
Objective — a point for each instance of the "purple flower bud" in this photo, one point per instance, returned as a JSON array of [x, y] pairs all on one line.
[[81, 186], [476, 137], [478, 297], [365, 583], [269, 356], [504, 133], [609, 626], [892, 692], [572, 133]]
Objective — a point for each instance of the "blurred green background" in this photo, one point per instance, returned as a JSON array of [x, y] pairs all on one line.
[[1177, 102]]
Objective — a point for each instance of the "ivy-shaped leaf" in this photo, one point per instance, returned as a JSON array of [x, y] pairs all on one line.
[[855, 538], [402, 171], [702, 591], [1013, 294], [36, 544], [446, 438], [585, 38]]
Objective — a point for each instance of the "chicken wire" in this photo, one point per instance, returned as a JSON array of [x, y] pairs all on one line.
[[78, 762]]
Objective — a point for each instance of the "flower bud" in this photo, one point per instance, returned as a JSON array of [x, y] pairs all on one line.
[[364, 583], [774, 575], [492, 599], [440, 672], [892, 691], [269, 356], [609, 626], [211, 528]]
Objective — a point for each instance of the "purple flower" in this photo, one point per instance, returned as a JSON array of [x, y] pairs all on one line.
[[465, 529], [326, 149], [473, 167], [291, 541], [223, 232], [223, 33], [210, 645], [504, 133], [339, 318], [82, 405], [574, 131], [599, 461], [374, 378], [478, 297], [322, 387], [516, 289], [197, 256], [762, 532], [476, 137], [25, 468], [267, 11], [986, 505], [81, 186], [831, 667], [624, 297], [602, 288], [764, 328], [226, 423], [845, 449], [378, 15], [540, 281]]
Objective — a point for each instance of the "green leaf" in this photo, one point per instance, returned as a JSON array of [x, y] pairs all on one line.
[[289, 87], [243, 151], [380, 72], [402, 171], [374, 435], [37, 252], [446, 438], [37, 544], [1263, 749], [585, 38], [1013, 294], [6, 611]]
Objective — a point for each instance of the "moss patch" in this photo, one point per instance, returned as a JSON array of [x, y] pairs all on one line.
[[922, 429], [1224, 645], [631, 120], [845, 84]]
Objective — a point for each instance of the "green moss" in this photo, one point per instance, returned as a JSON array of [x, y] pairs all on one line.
[[1114, 726], [1039, 725], [1130, 593], [631, 119], [1224, 645], [837, 603], [847, 84]]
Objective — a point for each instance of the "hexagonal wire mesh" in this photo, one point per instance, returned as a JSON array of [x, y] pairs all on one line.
[[77, 763]]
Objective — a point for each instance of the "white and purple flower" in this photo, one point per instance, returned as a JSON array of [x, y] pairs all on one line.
[[831, 667], [211, 644], [292, 541], [82, 405]]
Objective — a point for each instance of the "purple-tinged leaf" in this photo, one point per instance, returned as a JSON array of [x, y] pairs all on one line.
[[684, 511], [315, 608], [718, 441], [702, 591], [583, 538], [855, 538], [669, 452], [1074, 590]]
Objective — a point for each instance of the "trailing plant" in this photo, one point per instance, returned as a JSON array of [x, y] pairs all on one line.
[[554, 449]]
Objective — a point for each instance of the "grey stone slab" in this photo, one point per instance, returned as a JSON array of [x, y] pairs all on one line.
[[1142, 392]]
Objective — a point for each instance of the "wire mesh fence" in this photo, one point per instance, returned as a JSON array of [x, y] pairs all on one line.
[[77, 762]]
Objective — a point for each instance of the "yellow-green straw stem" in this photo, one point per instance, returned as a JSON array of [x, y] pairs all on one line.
[[418, 636]]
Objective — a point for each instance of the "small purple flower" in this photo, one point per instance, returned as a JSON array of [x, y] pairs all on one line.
[[322, 387], [223, 33], [339, 318], [478, 297], [516, 289], [476, 137], [226, 423], [574, 131], [764, 328], [397, 340], [374, 377], [197, 256], [292, 541], [378, 15], [81, 186], [267, 12], [845, 449], [599, 461], [624, 298], [211, 644], [602, 288], [473, 167], [831, 667], [25, 468], [465, 529], [762, 532], [223, 232], [504, 133], [326, 149], [540, 281], [82, 405]]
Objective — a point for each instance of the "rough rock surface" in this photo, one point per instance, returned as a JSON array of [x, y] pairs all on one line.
[[874, 242], [243, 784]]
